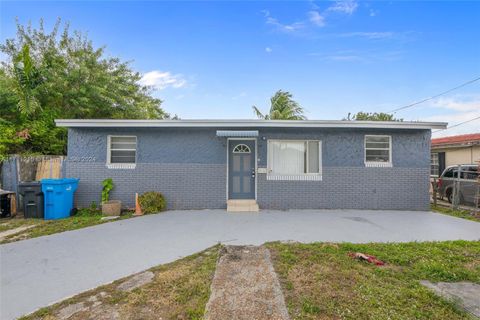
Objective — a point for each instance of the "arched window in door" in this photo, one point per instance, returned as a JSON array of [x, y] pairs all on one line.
[[241, 148]]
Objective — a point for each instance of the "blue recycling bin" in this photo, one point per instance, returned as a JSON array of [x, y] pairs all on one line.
[[58, 197]]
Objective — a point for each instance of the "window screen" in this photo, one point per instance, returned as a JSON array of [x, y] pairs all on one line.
[[377, 148], [123, 149]]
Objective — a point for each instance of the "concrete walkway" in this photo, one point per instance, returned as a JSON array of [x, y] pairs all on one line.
[[37, 272], [245, 286]]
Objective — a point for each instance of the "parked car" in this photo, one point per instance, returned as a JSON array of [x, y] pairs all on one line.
[[468, 182]]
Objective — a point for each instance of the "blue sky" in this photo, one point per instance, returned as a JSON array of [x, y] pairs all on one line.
[[217, 59]]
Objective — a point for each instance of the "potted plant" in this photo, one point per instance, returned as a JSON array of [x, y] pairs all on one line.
[[110, 207]]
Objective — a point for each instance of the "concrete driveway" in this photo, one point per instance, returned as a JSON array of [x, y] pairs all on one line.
[[38, 272]]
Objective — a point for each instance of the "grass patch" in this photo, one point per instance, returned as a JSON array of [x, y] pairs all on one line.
[[320, 281], [12, 223], [464, 214], [179, 290], [46, 227]]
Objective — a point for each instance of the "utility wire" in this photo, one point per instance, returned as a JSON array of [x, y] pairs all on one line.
[[435, 96], [458, 124]]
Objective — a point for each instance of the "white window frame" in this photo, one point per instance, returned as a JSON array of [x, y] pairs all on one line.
[[377, 163], [299, 177], [434, 164], [111, 165]]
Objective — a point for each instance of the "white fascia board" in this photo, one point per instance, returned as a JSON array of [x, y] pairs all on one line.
[[111, 123]]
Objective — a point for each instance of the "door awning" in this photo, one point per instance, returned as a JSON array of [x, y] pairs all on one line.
[[237, 133]]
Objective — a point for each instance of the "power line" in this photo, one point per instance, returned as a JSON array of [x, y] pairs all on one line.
[[458, 124], [435, 96]]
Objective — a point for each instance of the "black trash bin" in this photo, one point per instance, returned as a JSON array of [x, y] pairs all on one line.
[[32, 198]]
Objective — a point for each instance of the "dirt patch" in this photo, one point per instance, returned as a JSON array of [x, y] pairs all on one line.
[[245, 286]]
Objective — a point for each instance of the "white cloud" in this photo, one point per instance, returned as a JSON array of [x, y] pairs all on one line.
[[459, 109], [268, 50], [346, 58], [240, 95], [469, 127], [313, 5], [363, 56], [458, 104], [288, 28], [346, 6], [368, 35], [316, 18], [373, 13], [162, 79]]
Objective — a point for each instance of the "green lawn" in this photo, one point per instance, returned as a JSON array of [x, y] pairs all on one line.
[[465, 214], [84, 218], [320, 281]]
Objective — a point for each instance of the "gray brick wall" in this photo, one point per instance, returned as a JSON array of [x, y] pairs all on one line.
[[350, 188], [200, 186], [188, 165], [185, 186]]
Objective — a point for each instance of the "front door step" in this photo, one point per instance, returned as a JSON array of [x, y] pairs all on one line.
[[242, 205], [245, 286]]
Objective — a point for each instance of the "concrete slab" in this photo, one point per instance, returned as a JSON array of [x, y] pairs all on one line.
[[245, 286], [38, 272], [10, 232], [467, 294], [136, 281]]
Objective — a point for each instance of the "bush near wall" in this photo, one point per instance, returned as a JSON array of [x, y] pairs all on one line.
[[152, 202]]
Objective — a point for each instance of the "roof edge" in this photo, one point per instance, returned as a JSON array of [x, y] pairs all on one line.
[[107, 123]]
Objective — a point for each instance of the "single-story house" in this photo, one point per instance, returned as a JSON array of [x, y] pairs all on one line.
[[201, 164], [454, 150]]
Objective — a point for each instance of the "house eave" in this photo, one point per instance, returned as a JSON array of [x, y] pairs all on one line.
[[455, 145], [113, 123]]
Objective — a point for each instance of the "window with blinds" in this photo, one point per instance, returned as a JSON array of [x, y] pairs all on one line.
[[122, 149], [294, 158], [378, 149]]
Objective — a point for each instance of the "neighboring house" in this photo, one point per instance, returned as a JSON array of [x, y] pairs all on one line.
[[454, 150], [202, 164]]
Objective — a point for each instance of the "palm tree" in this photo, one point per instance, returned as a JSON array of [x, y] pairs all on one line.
[[27, 79], [283, 107]]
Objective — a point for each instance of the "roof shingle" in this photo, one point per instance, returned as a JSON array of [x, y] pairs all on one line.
[[471, 138]]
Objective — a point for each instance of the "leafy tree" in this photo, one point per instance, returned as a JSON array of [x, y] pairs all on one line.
[[60, 74], [372, 116], [282, 107]]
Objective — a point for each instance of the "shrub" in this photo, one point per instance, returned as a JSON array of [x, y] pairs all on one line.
[[90, 211], [152, 202]]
